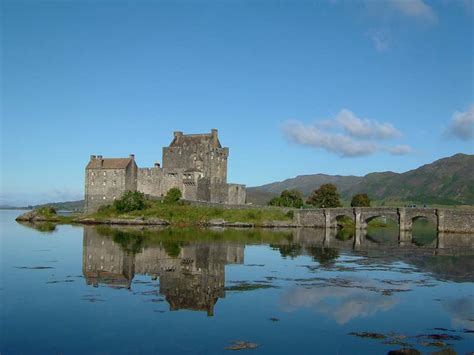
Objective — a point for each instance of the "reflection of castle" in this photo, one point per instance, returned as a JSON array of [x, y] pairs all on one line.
[[194, 279]]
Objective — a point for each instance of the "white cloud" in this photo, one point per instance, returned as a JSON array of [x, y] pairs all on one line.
[[337, 143], [461, 125], [414, 8], [342, 304], [401, 149], [345, 135], [365, 128]]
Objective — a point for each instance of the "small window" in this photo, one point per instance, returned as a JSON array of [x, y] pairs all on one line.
[[104, 198], [114, 183], [103, 183], [92, 183], [105, 174]]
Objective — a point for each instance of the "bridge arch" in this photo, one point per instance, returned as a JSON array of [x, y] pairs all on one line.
[[335, 214]]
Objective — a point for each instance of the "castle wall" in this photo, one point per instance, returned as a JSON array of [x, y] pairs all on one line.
[[195, 164], [103, 186], [236, 194], [211, 161]]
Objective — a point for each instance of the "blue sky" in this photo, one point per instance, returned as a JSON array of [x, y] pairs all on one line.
[[336, 87]]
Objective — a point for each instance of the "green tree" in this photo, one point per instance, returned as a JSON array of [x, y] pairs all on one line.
[[173, 195], [325, 197], [288, 198], [130, 201], [360, 200]]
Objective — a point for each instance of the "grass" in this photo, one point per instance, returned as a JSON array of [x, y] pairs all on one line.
[[183, 214]]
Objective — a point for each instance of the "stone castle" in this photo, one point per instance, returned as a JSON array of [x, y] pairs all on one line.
[[194, 163]]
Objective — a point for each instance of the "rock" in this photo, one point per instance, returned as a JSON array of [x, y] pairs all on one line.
[[238, 224], [241, 345], [125, 221], [447, 351], [218, 222], [34, 216], [277, 224], [404, 351], [368, 335]]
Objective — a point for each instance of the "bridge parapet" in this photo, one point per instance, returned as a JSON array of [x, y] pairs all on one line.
[[446, 220]]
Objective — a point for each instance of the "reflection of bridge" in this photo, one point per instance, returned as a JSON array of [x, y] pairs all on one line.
[[446, 220], [442, 244]]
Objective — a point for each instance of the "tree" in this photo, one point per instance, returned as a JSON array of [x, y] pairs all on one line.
[[130, 201], [288, 198], [173, 195], [360, 200], [325, 197]]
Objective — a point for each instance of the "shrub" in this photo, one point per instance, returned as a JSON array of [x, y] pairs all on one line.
[[130, 201], [360, 200], [288, 198], [46, 211], [173, 195]]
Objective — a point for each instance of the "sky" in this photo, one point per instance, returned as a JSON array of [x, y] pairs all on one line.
[[334, 87]]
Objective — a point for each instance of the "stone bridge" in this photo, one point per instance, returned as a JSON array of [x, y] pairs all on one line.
[[446, 220]]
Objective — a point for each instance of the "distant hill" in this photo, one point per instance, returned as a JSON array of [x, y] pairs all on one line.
[[60, 206], [447, 181]]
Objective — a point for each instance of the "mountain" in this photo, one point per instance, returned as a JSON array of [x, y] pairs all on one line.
[[447, 181]]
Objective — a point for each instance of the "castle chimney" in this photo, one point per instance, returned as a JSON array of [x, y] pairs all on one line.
[[157, 165], [132, 156], [99, 157], [177, 134], [214, 136], [92, 157]]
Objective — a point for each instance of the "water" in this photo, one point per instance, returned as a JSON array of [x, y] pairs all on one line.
[[77, 290]]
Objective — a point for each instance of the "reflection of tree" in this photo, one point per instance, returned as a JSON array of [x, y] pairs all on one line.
[[131, 243], [44, 227], [288, 250], [345, 233], [323, 255], [172, 248]]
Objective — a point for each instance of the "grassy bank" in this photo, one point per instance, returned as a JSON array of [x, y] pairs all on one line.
[[182, 214]]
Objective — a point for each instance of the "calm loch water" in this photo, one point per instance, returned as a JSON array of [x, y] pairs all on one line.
[[88, 290]]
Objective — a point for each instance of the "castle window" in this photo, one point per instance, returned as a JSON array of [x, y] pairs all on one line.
[[105, 174], [92, 197], [114, 183], [103, 183], [104, 198], [92, 183], [92, 174]]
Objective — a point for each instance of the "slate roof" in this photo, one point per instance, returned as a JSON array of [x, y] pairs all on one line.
[[109, 163]]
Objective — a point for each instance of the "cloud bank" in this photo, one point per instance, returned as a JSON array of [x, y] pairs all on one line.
[[461, 125], [345, 135]]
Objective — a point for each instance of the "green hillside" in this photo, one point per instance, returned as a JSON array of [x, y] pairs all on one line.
[[447, 181]]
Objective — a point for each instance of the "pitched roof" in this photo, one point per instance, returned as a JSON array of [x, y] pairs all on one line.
[[194, 139], [109, 163]]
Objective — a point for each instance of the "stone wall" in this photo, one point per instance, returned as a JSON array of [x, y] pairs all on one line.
[[104, 186], [236, 194], [455, 221]]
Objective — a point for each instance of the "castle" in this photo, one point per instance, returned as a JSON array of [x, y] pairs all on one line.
[[194, 163]]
